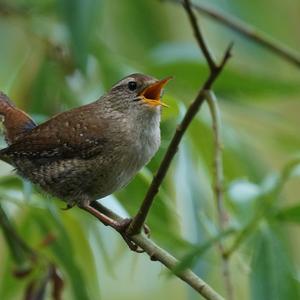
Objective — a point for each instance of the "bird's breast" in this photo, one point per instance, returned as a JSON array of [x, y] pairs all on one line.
[[135, 146]]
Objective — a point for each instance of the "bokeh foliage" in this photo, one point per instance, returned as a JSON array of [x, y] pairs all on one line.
[[59, 54]]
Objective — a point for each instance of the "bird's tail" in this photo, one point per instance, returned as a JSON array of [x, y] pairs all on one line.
[[15, 120]]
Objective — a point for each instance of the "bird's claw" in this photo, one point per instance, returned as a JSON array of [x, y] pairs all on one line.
[[132, 246], [122, 227]]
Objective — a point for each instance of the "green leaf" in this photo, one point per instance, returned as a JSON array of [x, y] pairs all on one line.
[[162, 219], [110, 66], [11, 182], [243, 195], [272, 275], [44, 100], [81, 18], [189, 74], [10, 286], [191, 257], [290, 214], [63, 250], [132, 28]]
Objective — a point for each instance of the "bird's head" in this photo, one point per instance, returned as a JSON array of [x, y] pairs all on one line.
[[138, 91]]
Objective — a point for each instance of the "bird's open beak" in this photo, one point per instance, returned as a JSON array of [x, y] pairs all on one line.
[[152, 93]]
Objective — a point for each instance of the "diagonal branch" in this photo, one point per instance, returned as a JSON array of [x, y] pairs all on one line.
[[248, 31], [156, 253], [198, 35], [139, 219]]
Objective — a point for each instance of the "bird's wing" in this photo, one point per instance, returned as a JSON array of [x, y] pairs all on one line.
[[16, 122], [71, 134]]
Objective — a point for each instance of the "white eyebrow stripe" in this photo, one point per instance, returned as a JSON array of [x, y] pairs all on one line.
[[126, 80]]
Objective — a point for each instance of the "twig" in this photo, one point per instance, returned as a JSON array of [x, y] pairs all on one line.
[[218, 161], [243, 234], [171, 262], [218, 186], [198, 35], [156, 253], [18, 248], [139, 219], [248, 31]]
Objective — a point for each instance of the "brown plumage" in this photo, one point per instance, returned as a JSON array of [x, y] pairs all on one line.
[[88, 152], [16, 121]]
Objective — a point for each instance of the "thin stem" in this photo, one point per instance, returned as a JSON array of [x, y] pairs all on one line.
[[218, 161], [219, 186], [243, 234], [198, 35], [248, 31], [18, 248]]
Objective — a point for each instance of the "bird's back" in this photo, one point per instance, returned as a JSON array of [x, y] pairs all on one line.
[[87, 152]]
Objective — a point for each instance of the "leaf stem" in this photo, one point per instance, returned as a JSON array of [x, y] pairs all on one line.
[[219, 186]]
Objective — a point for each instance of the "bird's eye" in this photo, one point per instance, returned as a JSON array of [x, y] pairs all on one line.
[[132, 85]]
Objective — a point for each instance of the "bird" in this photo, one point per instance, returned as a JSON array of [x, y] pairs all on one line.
[[91, 151]]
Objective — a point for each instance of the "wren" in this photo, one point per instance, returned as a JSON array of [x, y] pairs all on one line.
[[88, 152]]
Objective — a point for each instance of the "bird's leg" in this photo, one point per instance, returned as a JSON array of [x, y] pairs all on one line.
[[106, 220], [103, 209], [120, 225], [123, 223]]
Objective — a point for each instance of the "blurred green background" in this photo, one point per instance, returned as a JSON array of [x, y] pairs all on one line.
[[56, 55]]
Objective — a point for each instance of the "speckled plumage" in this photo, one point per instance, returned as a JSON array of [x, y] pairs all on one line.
[[88, 152]]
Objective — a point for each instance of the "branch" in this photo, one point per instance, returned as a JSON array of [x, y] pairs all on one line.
[[218, 186], [218, 161], [158, 254], [139, 219], [171, 262], [18, 248], [198, 35], [248, 31]]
